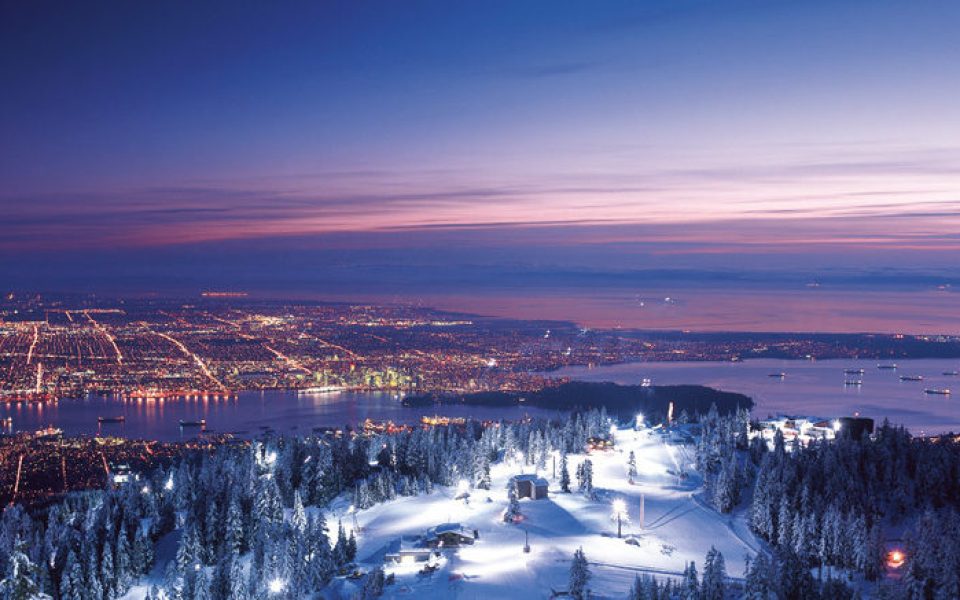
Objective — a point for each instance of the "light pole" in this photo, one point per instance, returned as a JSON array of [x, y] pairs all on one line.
[[643, 502], [619, 511]]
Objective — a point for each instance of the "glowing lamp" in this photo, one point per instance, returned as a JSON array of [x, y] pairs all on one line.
[[276, 585], [895, 559]]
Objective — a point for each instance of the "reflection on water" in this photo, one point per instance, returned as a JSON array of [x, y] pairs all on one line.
[[248, 413], [813, 388]]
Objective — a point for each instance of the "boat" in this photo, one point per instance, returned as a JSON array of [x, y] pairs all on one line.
[[911, 378], [951, 373], [200, 423], [49, 431], [853, 371], [890, 367], [937, 391], [322, 389], [119, 419], [853, 382], [779, 375]]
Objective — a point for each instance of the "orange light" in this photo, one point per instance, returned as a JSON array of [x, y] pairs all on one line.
[[895, 559]]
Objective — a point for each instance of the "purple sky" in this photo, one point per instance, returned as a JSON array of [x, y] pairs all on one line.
[[431, 147]]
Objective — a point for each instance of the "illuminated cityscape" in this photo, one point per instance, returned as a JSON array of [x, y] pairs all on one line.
[[490, 300]]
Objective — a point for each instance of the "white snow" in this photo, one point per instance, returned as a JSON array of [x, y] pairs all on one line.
[[678, 528]]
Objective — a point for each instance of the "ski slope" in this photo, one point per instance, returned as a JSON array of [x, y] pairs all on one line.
[[678, 528]]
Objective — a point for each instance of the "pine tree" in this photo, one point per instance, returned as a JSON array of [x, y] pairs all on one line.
[[714, 583], [238, 588], [632, 466], [482, 470], [564, 474], [20, 579], [587, 485], [71, 580], [340, 548], [759, 584], [201, 586], [234, 527], [513, 504], [579, 576], [351, 547], [298, 519], [690, 588], [122, 564]]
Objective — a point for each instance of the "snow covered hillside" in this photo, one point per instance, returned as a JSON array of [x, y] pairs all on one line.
[[676, 529]]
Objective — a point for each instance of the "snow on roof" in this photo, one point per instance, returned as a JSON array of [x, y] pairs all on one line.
[[444, 528], [531, 477]]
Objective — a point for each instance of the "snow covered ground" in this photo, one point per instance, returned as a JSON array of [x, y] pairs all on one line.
[[678, 528]]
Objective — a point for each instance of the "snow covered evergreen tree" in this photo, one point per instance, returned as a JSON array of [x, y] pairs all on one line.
[[586, 484], [564, 473], [513, 504], [714, 584], [579, 576], [690, 586]]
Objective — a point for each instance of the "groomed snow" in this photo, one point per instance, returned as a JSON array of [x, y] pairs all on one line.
[[678, 528]]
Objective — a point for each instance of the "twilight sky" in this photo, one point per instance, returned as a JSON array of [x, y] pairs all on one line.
[[421, 150]]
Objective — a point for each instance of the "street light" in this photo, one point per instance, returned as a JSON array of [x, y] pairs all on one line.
[[276, 585], [620, 514]]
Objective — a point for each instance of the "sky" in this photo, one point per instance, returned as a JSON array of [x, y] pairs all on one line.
[[486, 154]]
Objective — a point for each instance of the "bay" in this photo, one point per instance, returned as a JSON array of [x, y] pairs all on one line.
[[812, 388]]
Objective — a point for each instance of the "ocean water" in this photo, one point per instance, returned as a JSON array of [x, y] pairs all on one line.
[[813, 388], [247, 414]]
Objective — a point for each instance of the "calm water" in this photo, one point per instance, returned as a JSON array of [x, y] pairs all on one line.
[[283, 411], [812, 388]]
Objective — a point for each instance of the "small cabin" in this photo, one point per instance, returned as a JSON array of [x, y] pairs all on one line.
[[448, 535], [599, 444], [530, 486]]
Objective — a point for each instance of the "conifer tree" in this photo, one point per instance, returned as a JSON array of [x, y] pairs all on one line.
[[579, 576], [564, 474]]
